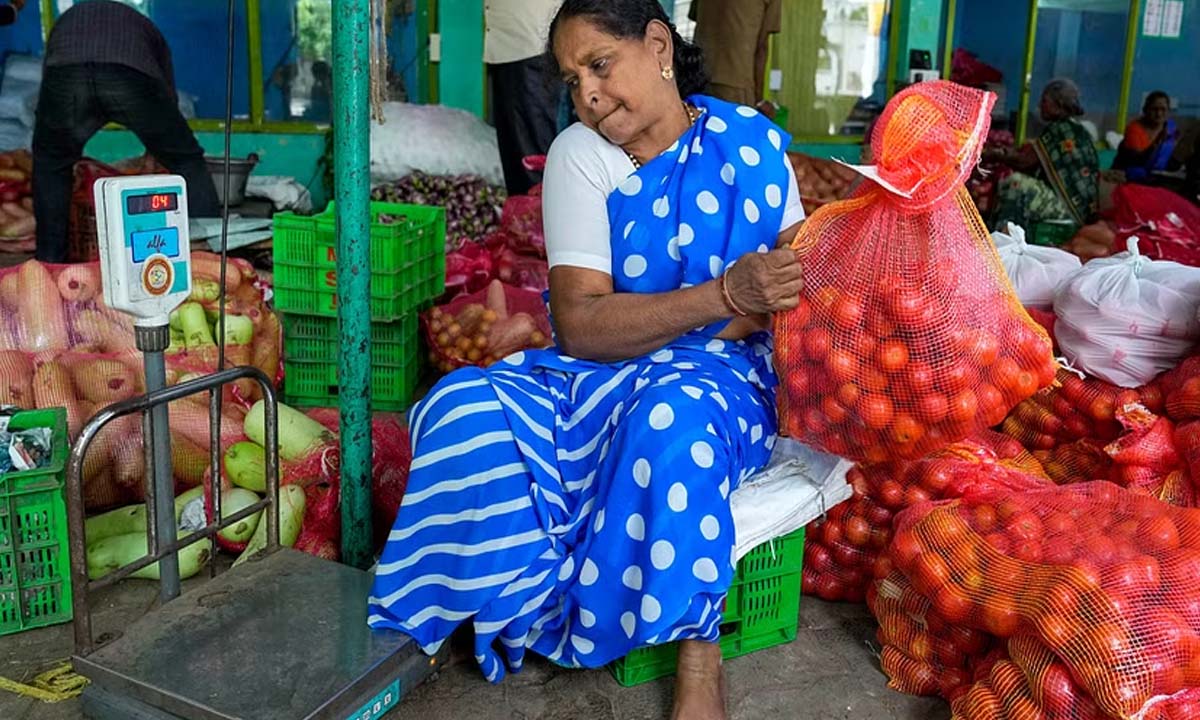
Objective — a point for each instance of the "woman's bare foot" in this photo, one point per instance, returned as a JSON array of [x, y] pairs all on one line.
[[699, 682]]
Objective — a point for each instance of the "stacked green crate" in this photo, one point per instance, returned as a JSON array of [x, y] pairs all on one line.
[[35, 564], [408, 269], [762, 610]]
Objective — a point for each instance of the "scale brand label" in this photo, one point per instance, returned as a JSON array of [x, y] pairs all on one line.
[[387, 699]]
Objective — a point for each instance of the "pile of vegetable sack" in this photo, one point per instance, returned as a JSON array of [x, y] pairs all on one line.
[[310, 503], [62, 346], [17, 226], [472, 205], [821, 181], [486, 326], [515, 253]]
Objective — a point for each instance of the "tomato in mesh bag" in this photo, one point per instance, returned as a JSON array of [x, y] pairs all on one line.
[[1105, 579], [1146, 459], [841, 550], [1181, 390], [908, 335]]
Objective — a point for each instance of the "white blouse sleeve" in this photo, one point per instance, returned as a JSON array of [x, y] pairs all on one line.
[[575, 189], [793, 211]]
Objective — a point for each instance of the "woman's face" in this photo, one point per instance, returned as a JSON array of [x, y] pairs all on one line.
[[616, 84], [1050, 109], [1157, 111]]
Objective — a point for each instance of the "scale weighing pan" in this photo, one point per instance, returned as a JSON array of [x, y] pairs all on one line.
[[284, 637]]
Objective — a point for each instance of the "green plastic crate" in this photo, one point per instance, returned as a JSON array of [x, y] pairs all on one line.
[[415, 279], [315, 384], [310, 338], [762, 610], [324, 304], [35, 564], [407, 259]]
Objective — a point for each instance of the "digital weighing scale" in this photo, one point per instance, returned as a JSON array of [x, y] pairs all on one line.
[[283, 637]]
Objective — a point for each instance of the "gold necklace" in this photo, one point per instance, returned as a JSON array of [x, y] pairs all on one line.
[[691, 116]]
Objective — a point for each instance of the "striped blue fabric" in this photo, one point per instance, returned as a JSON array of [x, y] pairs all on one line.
[[581, 509]]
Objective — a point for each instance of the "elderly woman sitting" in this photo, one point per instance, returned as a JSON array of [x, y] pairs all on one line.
[[1057, 174], [575, 501]]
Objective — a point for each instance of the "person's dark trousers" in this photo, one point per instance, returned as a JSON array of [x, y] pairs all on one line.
[[525, 113], [75, 102]]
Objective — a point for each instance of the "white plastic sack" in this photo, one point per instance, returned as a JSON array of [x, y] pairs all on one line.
[[1127, 318], [1035, 271], [434, 139], [798, 486]]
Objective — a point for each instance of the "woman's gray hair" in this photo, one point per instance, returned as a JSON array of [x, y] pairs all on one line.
[[1065, 94]]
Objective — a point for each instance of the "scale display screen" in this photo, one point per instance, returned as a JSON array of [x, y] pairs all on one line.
[[150, 242], [152, 203]]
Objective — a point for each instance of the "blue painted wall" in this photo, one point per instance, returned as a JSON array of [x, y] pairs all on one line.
[[25, 37], [1170, 65]]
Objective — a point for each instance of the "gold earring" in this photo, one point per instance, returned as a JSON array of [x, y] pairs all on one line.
[[668, 73]]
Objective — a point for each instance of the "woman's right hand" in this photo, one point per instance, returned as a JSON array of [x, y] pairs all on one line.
[[763, 283]]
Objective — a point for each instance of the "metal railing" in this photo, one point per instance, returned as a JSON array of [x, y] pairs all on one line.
[[157, 547]]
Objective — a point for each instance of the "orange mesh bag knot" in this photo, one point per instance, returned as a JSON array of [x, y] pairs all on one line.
[[908, 336]]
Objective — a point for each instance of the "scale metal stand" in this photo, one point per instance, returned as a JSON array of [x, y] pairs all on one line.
[[282, 637]]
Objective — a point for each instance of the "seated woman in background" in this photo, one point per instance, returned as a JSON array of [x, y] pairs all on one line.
[[1149, 140], [575, 501], [1057, 175]]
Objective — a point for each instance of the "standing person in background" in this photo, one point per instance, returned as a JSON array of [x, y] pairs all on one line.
[[524, 102], [9, 10], [106, 62], [734, 35]]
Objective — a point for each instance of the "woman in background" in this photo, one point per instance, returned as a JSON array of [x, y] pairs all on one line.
[[1150, 140], [1057, 174]]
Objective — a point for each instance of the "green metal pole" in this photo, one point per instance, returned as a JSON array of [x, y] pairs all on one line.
[[1027, 71], [255, 59], [1131, 35], [948, 51], [352, 155]]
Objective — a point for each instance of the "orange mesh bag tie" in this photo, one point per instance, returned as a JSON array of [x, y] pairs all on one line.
[[908, 335]]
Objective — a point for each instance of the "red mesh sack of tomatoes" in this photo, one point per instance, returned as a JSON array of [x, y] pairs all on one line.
[[841, 550], [922, 653], [1106, 580], [908, 335], [1145, 458], [1181, 390], [1075, 407], [1079, 461]]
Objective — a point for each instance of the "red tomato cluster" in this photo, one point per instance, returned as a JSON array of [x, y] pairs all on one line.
[[1181, 390], [1075, 409], [840, 551], [1146, 458], [1107, 580], [1024, 681], [898, 379], [922, 653]]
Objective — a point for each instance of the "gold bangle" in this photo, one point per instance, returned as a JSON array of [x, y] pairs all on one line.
[[729, 299]]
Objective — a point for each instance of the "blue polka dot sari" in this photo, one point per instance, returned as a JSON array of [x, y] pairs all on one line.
[[581, 509]]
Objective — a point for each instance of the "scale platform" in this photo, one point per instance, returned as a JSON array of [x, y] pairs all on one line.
[[281, 638]]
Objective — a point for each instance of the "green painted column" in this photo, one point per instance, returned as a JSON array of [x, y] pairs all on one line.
[[352, 186], [461, 74]]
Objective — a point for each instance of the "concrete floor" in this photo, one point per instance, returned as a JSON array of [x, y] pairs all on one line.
[[828, 673]]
